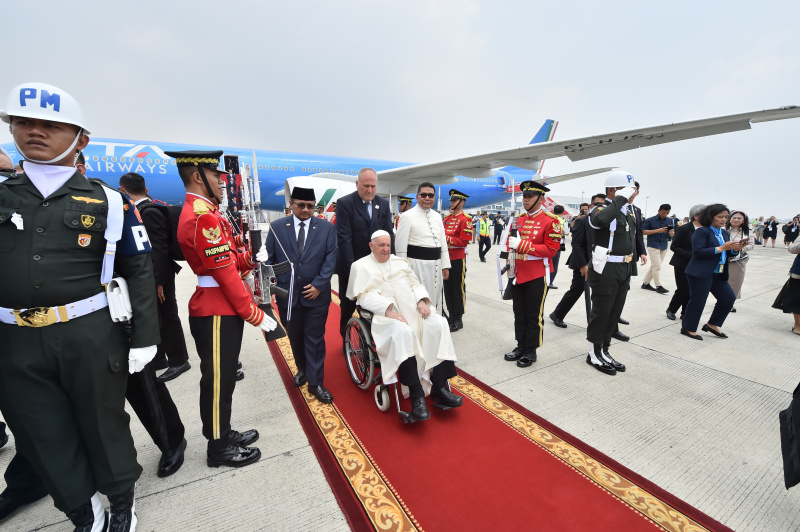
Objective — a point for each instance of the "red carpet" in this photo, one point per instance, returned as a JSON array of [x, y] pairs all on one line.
[[490, 464]]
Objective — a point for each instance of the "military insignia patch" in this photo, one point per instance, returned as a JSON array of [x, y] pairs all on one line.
[[84, 240], [556, 227], [86, 200], [213, 235], [87, 220]]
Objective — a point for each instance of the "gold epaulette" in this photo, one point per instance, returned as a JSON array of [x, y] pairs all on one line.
[[200, 207], [551, 215]]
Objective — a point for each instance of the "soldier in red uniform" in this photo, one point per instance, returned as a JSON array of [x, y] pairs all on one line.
[[220, 305], [333, 218], [458, 228], [404, 203], [538, 241]]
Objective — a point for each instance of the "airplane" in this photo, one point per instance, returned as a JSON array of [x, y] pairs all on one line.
[[487, 178]]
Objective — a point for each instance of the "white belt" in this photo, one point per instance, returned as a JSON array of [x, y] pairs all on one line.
[[620, 258], [43, 316], [529, 257], [206, 281]]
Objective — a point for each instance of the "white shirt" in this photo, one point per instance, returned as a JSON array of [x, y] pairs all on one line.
[[297, 221]]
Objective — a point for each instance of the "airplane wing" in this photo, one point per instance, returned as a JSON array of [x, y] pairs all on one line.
[[530, 156]]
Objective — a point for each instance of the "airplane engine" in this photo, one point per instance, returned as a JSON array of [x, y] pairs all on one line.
[[325, 190]]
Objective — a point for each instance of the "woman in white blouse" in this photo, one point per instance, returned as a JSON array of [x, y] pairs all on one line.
[[739, 228]]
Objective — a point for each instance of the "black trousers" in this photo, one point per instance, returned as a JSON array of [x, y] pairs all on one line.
[[699, 290], [528, 304], [498, 234], [609, 292], [407, 374], [455, 294], [62, 393], [681, 296], [218, 340], [484, 246], [22, 480], [173, 341], [555, 266], [306, 332], [577, 290]]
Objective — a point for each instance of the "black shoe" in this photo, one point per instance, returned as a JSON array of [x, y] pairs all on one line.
[[662, 290], [622, 337], [623, 321], [706, 328], [243, 439], [690, 335], [443, 398], [173, 372], [552, 287], [670, 315], [733, 309], [122, 512], [300, 378], [602, 366], [322, 395], [608, 359], [239, 375], [527, 359], [456, 325], [646, 286], [483, 260], [233, 455], [239, 365], [419, 410], [171, 460], [9, 504], [513, 355], [558, 322]]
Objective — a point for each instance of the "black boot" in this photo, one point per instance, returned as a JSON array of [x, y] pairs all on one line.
[[513, 355], [123, 512], [419, 410], [595, 359], [85, 516], [610, 361], [527, 359], [443, 398]]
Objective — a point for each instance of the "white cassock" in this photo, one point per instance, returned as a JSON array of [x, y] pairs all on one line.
[[424, 229], [375, 286]]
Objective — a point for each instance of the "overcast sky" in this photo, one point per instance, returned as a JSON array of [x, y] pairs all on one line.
[[428, 80]]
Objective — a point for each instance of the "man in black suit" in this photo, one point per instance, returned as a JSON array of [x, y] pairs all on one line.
[[309, 243], [358, 215], [159, 230], [681, 255], [578, 261]]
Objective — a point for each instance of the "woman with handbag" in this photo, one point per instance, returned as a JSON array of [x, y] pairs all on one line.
[[739, 228], [707, 272], [788, 299]]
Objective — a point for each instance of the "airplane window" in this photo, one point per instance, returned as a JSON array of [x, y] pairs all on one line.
[[273, 167], [292, 168], [158, 161], [260, 166], [113, 159], [304, 169], [141, 159], [280, 168], [172, 162], [105, 158], [149, 161], [95, 158]]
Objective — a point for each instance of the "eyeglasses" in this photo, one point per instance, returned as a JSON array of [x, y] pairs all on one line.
[[304, 206], [426, 195]]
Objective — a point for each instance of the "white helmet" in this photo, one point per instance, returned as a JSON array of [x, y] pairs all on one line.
[[45, 102], [619, 178]]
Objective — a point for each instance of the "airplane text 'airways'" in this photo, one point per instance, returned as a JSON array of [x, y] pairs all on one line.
[[100, 166]]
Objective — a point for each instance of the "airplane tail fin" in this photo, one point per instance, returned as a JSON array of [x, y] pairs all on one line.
[[545, 133]]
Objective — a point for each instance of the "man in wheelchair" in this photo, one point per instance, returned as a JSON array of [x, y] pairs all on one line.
[[412, 341]]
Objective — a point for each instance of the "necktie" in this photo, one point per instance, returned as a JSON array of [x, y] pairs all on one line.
[[368, 204], [301, 238]]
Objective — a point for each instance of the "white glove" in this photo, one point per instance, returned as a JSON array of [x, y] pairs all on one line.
[[626, 192], [139, 357], [513, 242], [268, 324], [262, 254]]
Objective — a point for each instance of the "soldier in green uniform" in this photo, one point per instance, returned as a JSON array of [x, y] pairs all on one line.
[[63, 372], [613, 263]]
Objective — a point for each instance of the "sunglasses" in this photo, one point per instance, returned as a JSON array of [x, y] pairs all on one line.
[[305, 206], [426, 195]]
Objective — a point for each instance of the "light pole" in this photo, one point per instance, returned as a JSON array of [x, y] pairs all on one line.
[[645, 205], [581, 196]]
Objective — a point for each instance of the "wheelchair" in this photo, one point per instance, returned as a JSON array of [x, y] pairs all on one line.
[[364, 365]]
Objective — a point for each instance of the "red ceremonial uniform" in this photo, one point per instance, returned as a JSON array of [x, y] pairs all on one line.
[[458, 229], [540, 235], [210, 248], [333, 219]]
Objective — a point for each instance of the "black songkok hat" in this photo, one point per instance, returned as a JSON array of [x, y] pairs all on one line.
[[530, 188], [303, 194], [206, 159], [457, 195]]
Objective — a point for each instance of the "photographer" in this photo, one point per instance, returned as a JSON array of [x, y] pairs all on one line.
[[791, 230]]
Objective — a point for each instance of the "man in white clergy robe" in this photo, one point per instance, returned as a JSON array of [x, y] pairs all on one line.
[[413, 342], [421, 239]]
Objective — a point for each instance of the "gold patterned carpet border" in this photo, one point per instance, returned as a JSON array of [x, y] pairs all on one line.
[[383, 506], [650, 507]]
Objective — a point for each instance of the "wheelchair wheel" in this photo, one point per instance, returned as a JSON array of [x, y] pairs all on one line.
[[382, 398], [358, 352]]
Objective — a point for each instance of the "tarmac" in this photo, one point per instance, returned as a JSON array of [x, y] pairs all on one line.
[[699, 419]]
